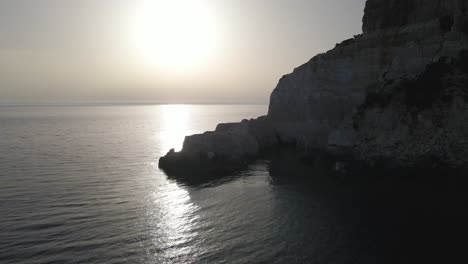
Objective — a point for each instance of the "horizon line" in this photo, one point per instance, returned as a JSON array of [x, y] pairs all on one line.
[[71, 104]]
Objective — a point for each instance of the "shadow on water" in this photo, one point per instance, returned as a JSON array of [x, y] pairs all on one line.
[[203, 179], [386, 216], [374, 215]]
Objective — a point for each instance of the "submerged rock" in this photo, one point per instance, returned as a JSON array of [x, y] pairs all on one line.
[[340, 167]]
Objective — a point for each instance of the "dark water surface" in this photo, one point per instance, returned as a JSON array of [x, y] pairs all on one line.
[[82, 185]]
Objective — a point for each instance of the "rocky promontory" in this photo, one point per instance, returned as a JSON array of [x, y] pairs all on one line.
[[396, 93], [229, 147]]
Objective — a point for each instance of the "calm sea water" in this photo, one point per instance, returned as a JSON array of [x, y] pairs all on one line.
[[82, 185]]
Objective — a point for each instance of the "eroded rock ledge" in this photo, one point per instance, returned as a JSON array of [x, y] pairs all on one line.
[[229, 147], [397, 93]]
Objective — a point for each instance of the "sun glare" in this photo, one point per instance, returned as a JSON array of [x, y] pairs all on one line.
[[175, 123], [175, 34]]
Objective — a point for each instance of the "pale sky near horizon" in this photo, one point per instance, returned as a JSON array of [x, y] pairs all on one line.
[[64, 51]]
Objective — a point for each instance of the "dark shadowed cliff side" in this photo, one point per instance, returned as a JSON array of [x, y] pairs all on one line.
[[397, 93]]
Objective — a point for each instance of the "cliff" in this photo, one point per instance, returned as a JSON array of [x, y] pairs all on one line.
[[398, 93]]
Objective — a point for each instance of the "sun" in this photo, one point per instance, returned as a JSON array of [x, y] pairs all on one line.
[[175, 34]]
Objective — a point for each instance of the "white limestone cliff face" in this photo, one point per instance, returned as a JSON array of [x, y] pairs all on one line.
[[419, 121], [390, 14], [319, 98]]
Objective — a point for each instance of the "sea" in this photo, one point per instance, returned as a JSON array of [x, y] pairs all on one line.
[[81, 184]]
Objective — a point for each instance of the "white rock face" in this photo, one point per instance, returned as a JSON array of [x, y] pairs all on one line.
[[418, 121], [400, 39], [388, 14]]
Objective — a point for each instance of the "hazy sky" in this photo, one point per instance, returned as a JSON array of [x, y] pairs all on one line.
[[54, 51]]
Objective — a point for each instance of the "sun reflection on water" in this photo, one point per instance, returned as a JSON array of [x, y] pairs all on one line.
[[173, 215], [175, 125], [176, 222]]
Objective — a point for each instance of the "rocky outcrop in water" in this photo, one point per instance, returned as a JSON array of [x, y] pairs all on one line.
[[397, 93], [229, 147]]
